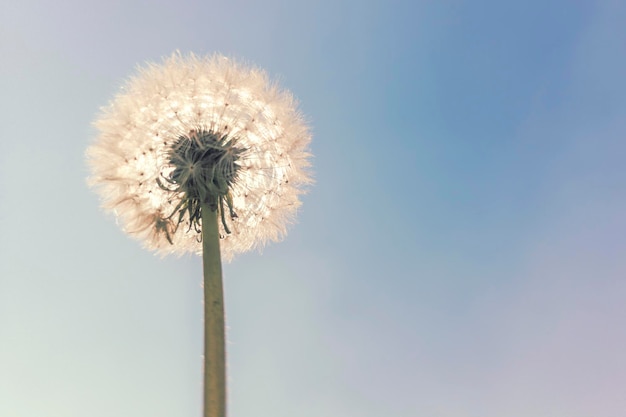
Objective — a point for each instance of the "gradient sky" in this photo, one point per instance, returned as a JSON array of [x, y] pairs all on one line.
[[461, 254]]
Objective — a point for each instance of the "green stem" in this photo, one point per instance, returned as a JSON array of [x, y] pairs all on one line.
[[214, 341]]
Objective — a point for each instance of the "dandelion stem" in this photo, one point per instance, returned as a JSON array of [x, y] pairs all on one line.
[[214, 341]]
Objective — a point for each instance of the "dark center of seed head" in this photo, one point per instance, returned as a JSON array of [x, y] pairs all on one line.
[[205, 168], [205, 165]]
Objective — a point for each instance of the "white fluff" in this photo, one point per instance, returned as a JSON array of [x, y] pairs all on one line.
[[187, 93]]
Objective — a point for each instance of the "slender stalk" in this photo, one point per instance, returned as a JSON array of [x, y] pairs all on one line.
[[214, 341]]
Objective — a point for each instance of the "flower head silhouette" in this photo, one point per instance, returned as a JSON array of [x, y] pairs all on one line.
[[196, 130]]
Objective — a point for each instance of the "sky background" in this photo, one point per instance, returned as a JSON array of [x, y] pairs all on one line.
[[461, 254]]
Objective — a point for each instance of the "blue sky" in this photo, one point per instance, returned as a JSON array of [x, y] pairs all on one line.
[[461, 254]]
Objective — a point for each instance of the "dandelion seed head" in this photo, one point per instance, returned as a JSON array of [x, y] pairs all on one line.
[[195, 130]]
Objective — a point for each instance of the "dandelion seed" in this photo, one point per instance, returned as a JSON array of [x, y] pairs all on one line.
[[192, 128]]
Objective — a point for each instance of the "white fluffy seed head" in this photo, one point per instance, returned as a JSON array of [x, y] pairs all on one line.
[[185, 94]]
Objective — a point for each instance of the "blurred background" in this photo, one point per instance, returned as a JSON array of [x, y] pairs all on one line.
[[461, 254]]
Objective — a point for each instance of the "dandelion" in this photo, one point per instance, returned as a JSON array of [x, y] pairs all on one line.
[[202, 155]]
